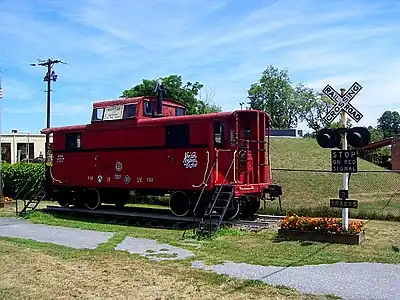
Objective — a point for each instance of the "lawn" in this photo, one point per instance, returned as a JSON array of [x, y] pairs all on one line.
[[308, 192], [42, 270], [256, 248], [106, 273]]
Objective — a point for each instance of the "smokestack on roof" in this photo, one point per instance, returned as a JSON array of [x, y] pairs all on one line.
[[161, 92]]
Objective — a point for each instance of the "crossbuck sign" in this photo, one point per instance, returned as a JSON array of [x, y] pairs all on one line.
[[343, 103]]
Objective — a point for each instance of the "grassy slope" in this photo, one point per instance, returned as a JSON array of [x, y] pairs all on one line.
[[309, 192]]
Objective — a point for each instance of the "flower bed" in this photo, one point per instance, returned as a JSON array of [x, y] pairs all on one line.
[[5, 201], [321, 229]]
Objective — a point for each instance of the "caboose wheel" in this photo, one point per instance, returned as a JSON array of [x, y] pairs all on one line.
[[233, 209], [92, 198], [179, 204], [62, 197], [250, 206], [63, 202]]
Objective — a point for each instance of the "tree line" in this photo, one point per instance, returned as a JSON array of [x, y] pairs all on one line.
[[287, 104]]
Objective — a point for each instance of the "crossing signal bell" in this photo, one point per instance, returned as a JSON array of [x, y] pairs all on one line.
[[357, 137]]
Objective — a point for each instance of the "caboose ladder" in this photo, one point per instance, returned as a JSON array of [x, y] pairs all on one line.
[[211, 221], [36, 197], [223, 194], [32, 197]]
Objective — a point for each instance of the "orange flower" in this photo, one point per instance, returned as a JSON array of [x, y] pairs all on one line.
[[319, 224]]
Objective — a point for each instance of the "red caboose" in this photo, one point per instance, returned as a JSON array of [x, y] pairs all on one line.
[[147, 145]]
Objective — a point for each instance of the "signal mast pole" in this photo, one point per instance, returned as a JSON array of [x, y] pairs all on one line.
[[50, 76], [345, 211]]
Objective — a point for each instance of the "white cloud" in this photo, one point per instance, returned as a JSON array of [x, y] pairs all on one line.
[[111, 45]]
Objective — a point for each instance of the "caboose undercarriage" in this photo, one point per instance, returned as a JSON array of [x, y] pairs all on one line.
[[181, 203]]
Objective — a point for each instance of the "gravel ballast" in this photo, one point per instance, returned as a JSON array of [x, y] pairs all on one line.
[[370, 281]]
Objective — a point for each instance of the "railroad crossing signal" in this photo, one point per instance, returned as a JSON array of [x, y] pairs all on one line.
[[343, 103]]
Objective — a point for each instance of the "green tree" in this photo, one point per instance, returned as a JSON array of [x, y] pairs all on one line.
[[187, 94], [206, 104], [314, 107], [376, 134], [275, 95], [389, 123]]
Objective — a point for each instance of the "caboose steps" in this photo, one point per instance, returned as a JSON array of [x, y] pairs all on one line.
[[34, 194], [219, 207]]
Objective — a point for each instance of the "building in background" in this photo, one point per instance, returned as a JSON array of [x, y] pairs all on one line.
[[22, 146], [286, 133]]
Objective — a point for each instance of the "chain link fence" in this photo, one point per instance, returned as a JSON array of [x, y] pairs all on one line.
[[307, 192]]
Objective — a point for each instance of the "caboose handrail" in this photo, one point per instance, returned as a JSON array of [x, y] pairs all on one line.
[[216, 163], [205, 172], [202, 190]]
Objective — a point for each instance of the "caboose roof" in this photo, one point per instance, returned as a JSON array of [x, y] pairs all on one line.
[[154, 121], [120, 101]]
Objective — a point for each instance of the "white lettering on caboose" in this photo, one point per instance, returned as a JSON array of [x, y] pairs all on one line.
[[190, 160]]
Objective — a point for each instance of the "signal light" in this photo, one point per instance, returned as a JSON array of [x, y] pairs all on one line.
[[357, 137], [328, 138]]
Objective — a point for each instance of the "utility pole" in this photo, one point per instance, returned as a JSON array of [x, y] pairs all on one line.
[[50, 76]]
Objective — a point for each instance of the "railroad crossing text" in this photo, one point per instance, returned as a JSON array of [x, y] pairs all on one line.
[[344, 161]]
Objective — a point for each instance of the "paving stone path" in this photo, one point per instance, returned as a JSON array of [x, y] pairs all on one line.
[[358, 281], [153, 250], [70, 237]]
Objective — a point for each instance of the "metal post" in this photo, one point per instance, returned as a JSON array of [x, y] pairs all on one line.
[[28, 148], [345, 211], [13, 148]]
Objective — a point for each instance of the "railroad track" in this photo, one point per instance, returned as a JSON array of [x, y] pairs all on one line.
[[153, 217]]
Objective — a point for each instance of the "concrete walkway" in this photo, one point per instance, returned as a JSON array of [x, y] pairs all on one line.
[[70, 237], [358, 281]]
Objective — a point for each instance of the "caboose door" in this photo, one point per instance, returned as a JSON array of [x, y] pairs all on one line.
[[250, 145]]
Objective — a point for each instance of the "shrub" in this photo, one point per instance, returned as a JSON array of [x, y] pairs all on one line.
[[327, 225], [19, 178]]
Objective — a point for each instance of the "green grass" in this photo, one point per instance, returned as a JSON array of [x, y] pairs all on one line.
[[308, 192], [106, 273], [256, 248]]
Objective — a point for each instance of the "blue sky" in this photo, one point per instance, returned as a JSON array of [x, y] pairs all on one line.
[[110, 45]]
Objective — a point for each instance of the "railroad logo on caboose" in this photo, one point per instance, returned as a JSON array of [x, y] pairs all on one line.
[[118, 166], [190, 160], [127, 179]]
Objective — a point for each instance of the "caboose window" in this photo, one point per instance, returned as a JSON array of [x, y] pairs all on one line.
[[179, 111], [97, 114], [247, 134], [73, 141], [148, 108], [177, 135], [219, 134], [129, 111]]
